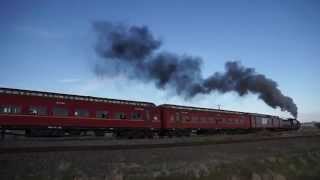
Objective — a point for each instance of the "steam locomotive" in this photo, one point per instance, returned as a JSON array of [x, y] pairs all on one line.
[[54, 114]]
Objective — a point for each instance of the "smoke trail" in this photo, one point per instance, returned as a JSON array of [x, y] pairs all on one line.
[[133, 51]]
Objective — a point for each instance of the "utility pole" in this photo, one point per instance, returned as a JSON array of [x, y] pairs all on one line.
[[219, 106]]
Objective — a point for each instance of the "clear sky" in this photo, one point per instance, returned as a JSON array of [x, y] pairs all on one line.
[[49, 45]]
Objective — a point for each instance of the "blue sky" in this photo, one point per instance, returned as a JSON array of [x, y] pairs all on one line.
[[48, 45]]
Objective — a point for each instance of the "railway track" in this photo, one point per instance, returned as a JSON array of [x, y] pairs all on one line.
[[64, 148]]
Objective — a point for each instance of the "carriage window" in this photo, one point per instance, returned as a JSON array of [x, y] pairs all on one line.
[[102, 114], [120, 115], [10, 109], [211, 119], [136, 115], [171, 118], [185, 118], [195, 118], [38, 110], [58, 111], [3, 109], [81, 112], [219, 121], [203, 119], [177, 116]]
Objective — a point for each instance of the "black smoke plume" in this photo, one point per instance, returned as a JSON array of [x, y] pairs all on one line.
[[134, 51]]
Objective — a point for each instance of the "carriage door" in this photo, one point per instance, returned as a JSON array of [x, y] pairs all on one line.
[[178, 119], [148, 119]]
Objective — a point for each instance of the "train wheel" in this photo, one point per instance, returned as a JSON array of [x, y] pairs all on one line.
[[149, 134], [187, 133], [74, 132], [99, 133], [56, 132], [179, 133], [27, 132]]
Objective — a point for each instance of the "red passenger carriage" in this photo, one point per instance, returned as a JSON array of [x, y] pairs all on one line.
[[29, 110], [183, 119]]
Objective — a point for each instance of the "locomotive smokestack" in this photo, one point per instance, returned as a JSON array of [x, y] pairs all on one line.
[[133, 51]]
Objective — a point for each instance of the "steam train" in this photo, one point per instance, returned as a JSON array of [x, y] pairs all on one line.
[[53, 114]]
